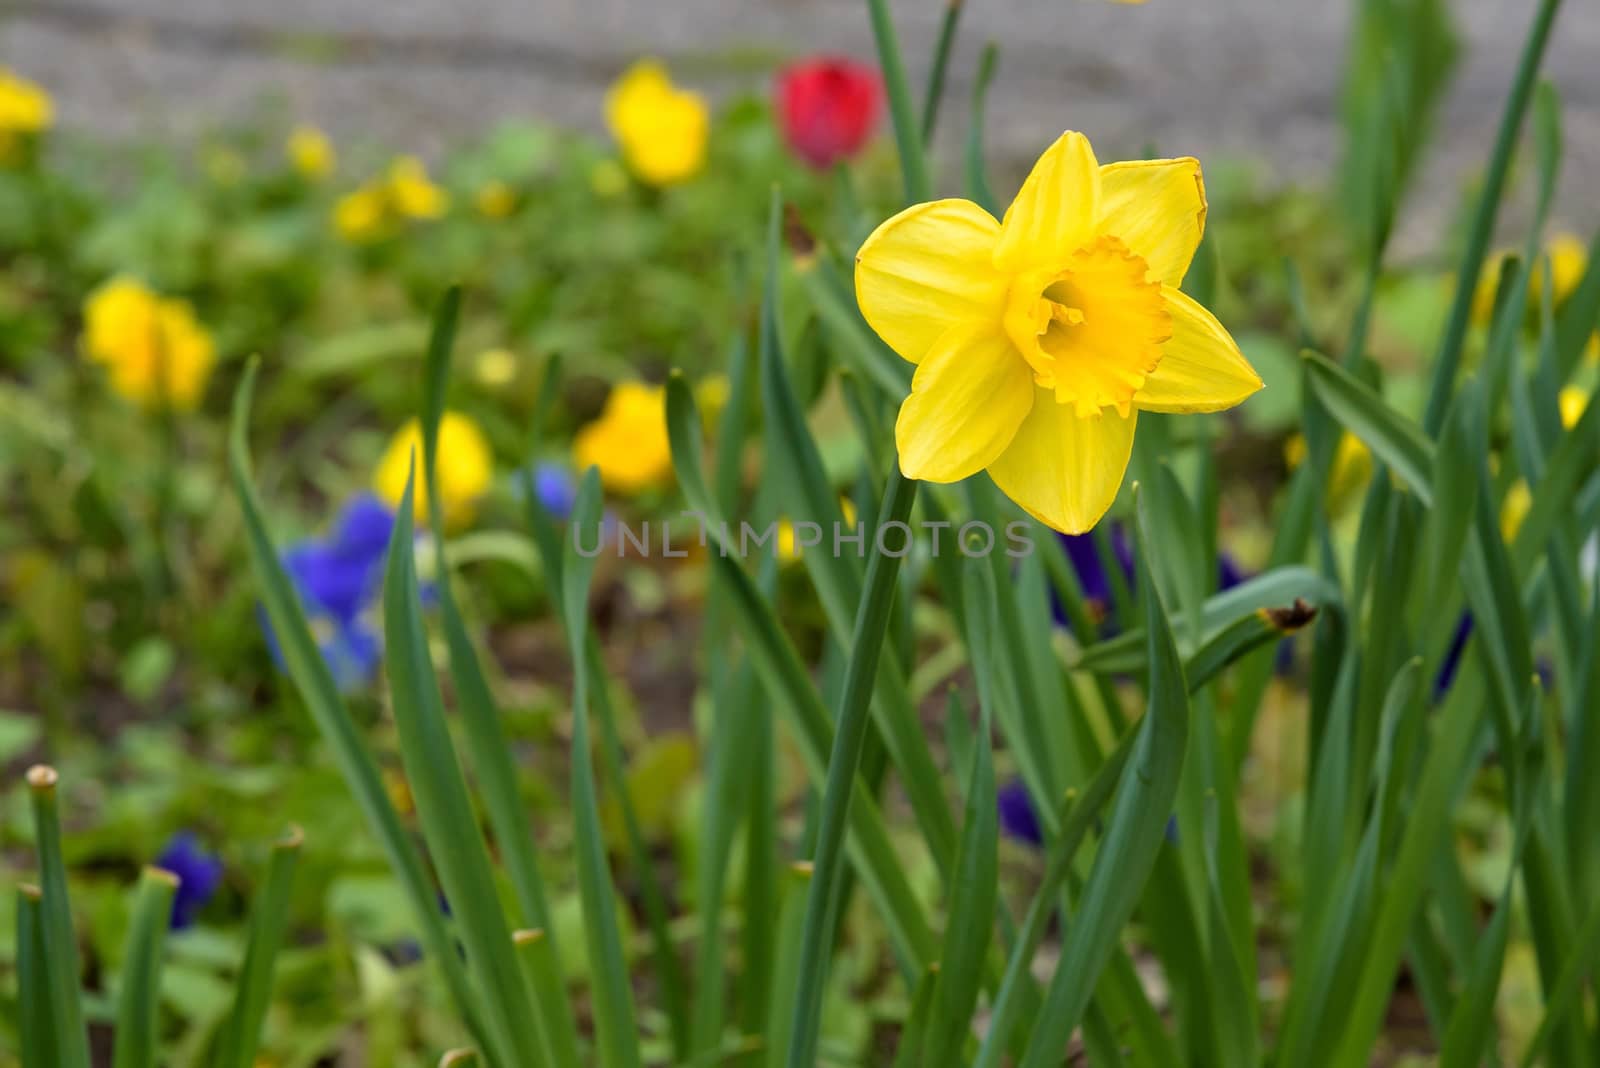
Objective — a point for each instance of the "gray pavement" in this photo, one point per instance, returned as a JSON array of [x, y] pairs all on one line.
[[1250, 78]]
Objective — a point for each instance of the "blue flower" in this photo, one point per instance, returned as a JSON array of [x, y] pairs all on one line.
[[1017, 817], [339, 580], [199, 875], [555, 487]]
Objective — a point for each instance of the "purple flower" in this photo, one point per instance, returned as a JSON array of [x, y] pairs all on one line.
[[199, 875], [1452, 658], [339, 579], [1017, 817], [555, 487]]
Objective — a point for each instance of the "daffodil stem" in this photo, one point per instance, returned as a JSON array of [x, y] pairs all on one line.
[[872, 623], [1448, 361], [936, 73], [907, 133]]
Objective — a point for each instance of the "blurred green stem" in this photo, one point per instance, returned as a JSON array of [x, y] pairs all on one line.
[[1448, 360], [936, 73], [871, 625], [913, 163]]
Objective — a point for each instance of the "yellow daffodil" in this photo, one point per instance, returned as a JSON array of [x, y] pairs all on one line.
[[1568, 257], [1352, 467], [628, 443], [1573, 402], [495, 368], [466, 465], [310, 153], [1039, 338], [361, 214], [711, 396], [661, 129], [155, 352], [412, 193], [1514, 509], [495, 200], [26, 110]]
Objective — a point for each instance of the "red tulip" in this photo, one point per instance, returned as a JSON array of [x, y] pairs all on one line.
[[829, 107]]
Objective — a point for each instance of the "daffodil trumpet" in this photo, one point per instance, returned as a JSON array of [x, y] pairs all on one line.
[[1039, 338]]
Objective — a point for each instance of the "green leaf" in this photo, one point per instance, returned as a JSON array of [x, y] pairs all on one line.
[[304, 663], [969, 924], [57, 938], [480, 715], [615, 1029], [444, 806], [1126, 856], [786, 971], [38, 1031], [269, 917], [1391, 437], [140, 982]]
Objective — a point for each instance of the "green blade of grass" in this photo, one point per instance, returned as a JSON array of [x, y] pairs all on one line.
[[973, 898], [269, 918], [487, 747], [786, 678], [615, 1029], [791, 928], [138, 998], [849, 735], [38, 1034], [1078, 816], [305, 665], [1124, 860], [1448, 359], [914, 1050], [59, 940], [1391, 437], [976, 175], [932, 96], [902, 112], [444, 807], [542, 971]]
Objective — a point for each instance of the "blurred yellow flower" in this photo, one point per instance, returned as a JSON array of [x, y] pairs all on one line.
[[788, 547], [607, 178], [1573, 402], [310, 152], [495, 200], [661, 129], [154, 350], [412, 193], [466, 465], [361, 214], [1568, 258], [1039, 338], [711, 396], [25, 110], [495, 367], [628, 443], [1352, 467], [1514, 509]]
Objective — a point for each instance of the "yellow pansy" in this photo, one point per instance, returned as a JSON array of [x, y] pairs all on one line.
[[361, 214], [495, 200], [628, 443], [495, 367], [1039, 338], [154, 350], [465, 467], [412, 193], [661, 129], [310, 152], [25, 111]]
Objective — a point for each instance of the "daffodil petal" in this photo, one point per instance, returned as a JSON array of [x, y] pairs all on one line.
[[968, 397], [1157, 207], [1055, 211], [927, 269], [1201, 368], [1065, 471]]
